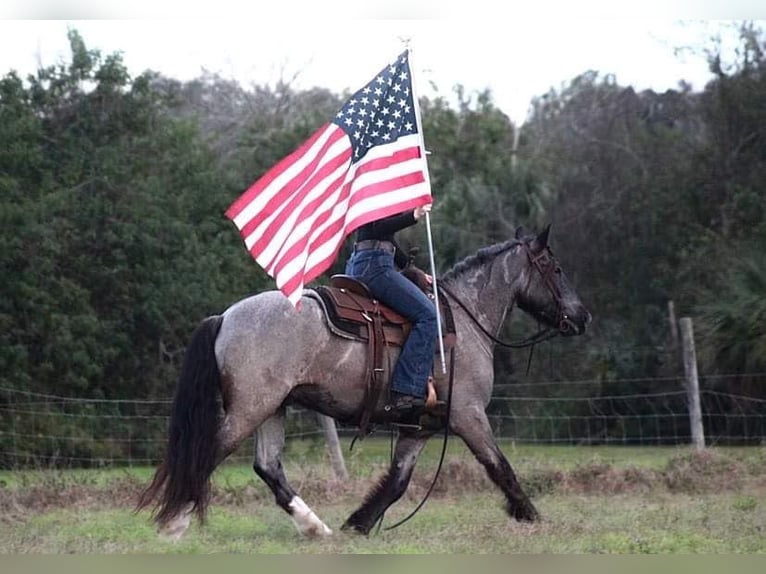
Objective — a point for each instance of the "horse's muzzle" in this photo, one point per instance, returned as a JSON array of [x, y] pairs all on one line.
[[569, 326]]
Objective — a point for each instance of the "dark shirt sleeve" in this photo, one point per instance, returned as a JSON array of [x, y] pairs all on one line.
[[384, 229]]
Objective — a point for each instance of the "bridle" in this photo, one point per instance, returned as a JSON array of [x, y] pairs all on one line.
[[545, 263]]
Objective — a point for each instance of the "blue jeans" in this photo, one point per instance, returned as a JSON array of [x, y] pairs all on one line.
[[375, 268]]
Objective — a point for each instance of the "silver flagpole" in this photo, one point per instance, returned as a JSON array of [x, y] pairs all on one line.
[[428, 215]]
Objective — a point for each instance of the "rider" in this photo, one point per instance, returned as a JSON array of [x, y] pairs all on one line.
[[375, 261]]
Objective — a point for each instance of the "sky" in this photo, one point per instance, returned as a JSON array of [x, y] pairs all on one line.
[[517, 54]]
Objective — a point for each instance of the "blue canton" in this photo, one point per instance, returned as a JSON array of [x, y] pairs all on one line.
[[380, 112]]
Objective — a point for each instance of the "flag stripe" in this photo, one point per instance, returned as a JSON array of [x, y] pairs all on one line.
[[271, 234], [386, 168], [335, 155], [371, 177], [274, 173]]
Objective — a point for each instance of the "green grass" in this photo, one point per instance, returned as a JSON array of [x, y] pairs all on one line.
[[594, 503], [470, 524]]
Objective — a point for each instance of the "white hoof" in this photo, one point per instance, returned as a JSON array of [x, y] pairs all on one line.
[[306, 521]]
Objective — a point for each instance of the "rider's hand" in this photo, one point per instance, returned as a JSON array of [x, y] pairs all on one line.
[[420, 211]]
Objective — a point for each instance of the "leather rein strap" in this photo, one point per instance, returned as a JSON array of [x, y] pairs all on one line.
[[542, 335]]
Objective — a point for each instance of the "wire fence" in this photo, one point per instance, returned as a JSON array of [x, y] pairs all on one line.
[[41, 430]]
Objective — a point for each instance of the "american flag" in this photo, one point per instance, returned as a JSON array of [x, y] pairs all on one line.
[[366, 163]]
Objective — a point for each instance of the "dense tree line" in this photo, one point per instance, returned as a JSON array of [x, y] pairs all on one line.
[[114, 244]]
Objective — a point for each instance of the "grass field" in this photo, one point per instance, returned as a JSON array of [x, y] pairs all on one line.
[[592, 499]]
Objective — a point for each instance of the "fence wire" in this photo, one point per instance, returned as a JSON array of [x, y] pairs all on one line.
[[43, 430]]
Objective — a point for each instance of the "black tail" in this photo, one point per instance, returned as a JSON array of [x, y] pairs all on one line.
[[190, 457]]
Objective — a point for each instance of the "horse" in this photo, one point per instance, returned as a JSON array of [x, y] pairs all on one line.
[[242, 368]]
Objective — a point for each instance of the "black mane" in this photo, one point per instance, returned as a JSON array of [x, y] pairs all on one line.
[[479, 258]]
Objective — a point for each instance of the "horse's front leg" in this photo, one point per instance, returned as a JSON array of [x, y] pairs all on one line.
[[472, 425], [392, 486]]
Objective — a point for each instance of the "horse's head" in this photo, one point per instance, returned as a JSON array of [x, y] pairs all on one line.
[[548, 295]]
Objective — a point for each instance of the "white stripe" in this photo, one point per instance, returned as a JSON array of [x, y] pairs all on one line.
[[266, 194], [338, 148], [305, 226], [288, 227], [288, 235]]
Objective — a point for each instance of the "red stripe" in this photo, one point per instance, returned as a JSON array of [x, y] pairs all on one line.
[[300, 245], [381, 187], [398, 182], [301, 183], [304, 275], [392, 209], [275, 265], [288, 208], [254, 190], [396, 157]]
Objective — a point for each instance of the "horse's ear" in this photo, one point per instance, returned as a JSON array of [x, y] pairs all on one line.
[[541, 241], [519, 232]]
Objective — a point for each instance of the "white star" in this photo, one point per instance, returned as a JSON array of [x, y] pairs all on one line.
[[380, 80], [402, 103], [365, 100], [360, 123], [379, 123], [403, 76], [408, 126], [348, 121], [357, 135], [391, 125], [397, 87], [378, 91], [390, 99], [386, 136], [397, 114], [385, 111]]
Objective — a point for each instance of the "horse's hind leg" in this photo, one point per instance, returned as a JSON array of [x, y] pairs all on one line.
[[269, 442], [472, 425], [391, 487], [235, 427]]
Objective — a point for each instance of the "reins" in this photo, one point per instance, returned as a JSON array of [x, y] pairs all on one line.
[[539, 337], [443, 452]]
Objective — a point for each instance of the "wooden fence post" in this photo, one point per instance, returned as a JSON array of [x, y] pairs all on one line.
[[333, 444], [692, 383]]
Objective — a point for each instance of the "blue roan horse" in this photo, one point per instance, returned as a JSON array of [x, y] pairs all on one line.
[[262, 355]]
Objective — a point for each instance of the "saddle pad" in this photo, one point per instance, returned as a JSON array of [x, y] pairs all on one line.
[[346, 315]]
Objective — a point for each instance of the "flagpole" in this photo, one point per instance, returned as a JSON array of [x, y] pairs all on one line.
[[416, 103]]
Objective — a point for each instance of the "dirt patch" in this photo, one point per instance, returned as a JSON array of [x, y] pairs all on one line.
[[693, 472]]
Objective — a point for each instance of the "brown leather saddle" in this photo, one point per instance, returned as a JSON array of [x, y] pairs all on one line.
[[353, 312]]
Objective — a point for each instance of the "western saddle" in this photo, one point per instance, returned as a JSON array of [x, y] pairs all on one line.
[[353, 312]]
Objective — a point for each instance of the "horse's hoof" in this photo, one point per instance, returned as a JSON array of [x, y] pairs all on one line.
[[355, 528], [525, 513]]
